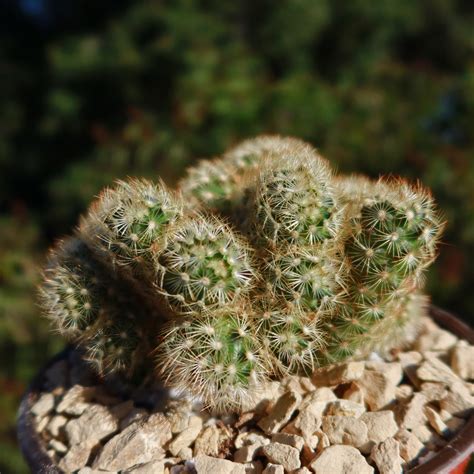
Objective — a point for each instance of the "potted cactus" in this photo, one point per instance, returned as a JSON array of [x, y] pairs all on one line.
[[263, 267]]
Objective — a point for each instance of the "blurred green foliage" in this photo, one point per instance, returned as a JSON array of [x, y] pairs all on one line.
[[146, 87]]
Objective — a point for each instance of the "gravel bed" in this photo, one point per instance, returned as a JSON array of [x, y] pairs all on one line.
[[380, 415]]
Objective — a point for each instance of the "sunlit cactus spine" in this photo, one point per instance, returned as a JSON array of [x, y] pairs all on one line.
[[217, 357], [127, 225], [89, 307], [204, 265]]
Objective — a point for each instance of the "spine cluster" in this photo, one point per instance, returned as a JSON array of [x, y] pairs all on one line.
[[262, 264]]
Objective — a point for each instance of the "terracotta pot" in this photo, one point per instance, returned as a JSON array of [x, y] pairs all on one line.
[[452, 459]]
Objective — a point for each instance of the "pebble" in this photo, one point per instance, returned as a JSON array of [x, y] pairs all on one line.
[[409, 445], [344, 408], [386, 456], [378, 388], [412, 413], [338, 374], [139, 443], [76, 400], [435, 421], [44, 405], [187, 436], [281, 412], [283, 454], [273, 469], [380, 426], [289, 439], [339, 459], [462, 360], [208, 465], [435, 340], [345, 430], [56, 425]]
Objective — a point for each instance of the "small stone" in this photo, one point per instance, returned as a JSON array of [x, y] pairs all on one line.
[[386, 456], [423, 433], [289, 439], [303, 470], [403, 392], [57, 446], [393, 371], [153, 467], [345, 430], [283, 454], [44, 405], [76, 458], [209, 440], [187, 436], [254, 467], [281, 412], [410, 361], [344, 408], [433, 391], [264, 397], [323, 440], [306, 423], [76, 400], [178, 414], [209, 465], [354, 393], [274, 469], [341, 459], [248, 453], [409, 445], [88, 470], [185, 454], [250, 437], [435, 421], [338, 374], [318, 398], [380, 426], [457, 404], [56, 425], [136, 414], [378, 388], [94, 425], [462, 360], [139, 443], [436, 340], [434, 370], [412, 414]]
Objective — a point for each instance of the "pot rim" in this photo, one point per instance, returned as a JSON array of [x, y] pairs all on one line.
[[458, 449]]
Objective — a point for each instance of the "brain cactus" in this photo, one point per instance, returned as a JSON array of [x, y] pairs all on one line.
[[262, 263]]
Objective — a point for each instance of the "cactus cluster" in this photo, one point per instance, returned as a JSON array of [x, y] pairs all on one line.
[[262, 263]]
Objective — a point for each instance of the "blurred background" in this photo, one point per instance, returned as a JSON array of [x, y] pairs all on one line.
[[91, 91]]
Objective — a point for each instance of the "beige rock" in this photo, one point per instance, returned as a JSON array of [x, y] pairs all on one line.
[[462, 360], [274, 469], [307, 384], [412, 413], [209, 465], [323, 440], [409, 445], [403, 392], [306, 423], [88, 470], [378, 387], [433, 369], [76, 458], [318, 399], [187, 436], [338, 374], [209, 441], [345, 430], [293, 384], [263, 397], [340, 459], [457, 404], [254, 467], [153, 467], [344, 408], [56, 425], [281, 412], [424, 433], [185, 454], [250, 437], [354, 393], [76, 400], [282, 454], [435, 340], [248, 453], [393, 371], [57, 446], [380, 426], [410, 362], [289, 439], [44, 405], [92, 426], [433, 391], [386, 456], [303, 470], [136, 414], [178, 414], [139, 443], [435, 421], [42, 423]]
